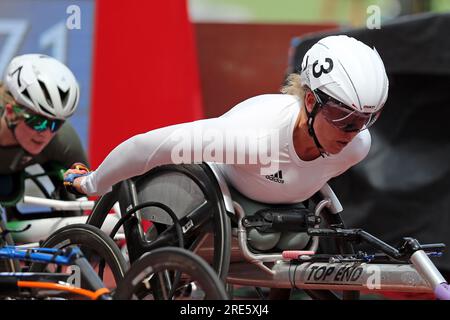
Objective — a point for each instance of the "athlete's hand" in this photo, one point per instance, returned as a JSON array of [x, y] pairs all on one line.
[[74, 176], [76, 184]]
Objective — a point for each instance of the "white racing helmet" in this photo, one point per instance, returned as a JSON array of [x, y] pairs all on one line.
[[347, 70], [43, 84]]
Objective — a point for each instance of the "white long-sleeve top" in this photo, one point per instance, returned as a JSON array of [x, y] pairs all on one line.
[[252, 144]]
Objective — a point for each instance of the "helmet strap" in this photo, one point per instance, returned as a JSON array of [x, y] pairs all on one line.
[[16, 161], [311, 117], [11, 125]]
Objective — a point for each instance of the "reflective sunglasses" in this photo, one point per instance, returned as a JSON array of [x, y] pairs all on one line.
[[37, 122], [342, 116]]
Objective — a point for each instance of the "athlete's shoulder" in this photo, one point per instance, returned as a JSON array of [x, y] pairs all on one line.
[[265, 105], [364, 139], [272, 98], [359, 147]]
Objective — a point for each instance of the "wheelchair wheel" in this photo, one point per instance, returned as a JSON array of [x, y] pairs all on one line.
[[100, 250], [180, 274], [192, 194]]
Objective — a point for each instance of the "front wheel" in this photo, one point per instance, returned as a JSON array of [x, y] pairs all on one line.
[[99, 249], [179, 274]]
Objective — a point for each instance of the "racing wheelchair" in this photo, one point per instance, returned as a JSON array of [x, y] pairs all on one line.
[[303, 246]]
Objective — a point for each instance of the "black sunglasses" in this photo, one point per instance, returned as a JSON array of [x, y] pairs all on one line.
[[37, 122]]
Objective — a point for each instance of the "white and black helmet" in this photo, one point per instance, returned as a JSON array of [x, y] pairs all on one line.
[[43, 84], [347, 70]]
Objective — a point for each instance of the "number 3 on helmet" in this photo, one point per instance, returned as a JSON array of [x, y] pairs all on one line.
[[347, 70]]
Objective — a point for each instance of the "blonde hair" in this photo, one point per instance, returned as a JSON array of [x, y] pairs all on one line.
[[294, 86], [5, 96]]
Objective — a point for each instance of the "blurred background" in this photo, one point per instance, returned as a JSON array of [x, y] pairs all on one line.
[[147, 64], [343, 12]]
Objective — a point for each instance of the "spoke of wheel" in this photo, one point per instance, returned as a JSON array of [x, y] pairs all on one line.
[[101, 268], [162, 280], [176, 281]]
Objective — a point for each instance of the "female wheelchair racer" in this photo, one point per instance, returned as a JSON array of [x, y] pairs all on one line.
[[313, 132]]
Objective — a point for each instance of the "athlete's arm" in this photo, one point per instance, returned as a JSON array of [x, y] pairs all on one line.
[[183, 143]]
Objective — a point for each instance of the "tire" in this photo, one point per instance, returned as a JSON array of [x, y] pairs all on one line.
[[173, 259], [93, 243]]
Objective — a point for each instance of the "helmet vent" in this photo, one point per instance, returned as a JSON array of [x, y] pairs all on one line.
[[351, 81], [46, 94], [27, 95], [45, 109], [63, 95]]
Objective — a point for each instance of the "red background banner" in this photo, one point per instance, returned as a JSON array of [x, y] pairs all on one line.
[[145, 71]]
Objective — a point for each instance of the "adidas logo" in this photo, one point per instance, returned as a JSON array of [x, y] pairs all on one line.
[[276, 177]]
